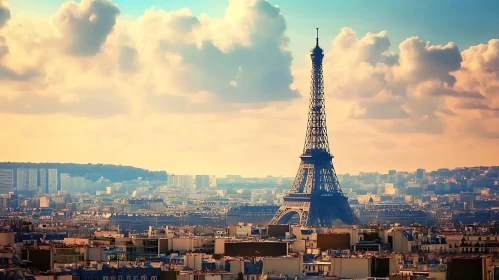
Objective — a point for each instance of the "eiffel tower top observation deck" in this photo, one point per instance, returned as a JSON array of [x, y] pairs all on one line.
[[316, 140]]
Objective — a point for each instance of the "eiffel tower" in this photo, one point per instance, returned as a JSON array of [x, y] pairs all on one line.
[[316, 195]]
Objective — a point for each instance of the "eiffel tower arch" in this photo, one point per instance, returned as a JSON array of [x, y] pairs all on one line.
[[316, 196]]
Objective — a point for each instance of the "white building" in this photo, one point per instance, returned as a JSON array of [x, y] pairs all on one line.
[[72, 183], [22, 179], [182, 181], [202, 181], [6, 181], [52, 181], [4, 201], [33, 179], [43, 180], [27, 179]]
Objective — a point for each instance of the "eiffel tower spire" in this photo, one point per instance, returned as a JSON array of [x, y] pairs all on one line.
[[316, 195], [316, 137]]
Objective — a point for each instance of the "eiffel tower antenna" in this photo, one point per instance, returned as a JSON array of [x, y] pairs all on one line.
[[317, 39], [316, 196]]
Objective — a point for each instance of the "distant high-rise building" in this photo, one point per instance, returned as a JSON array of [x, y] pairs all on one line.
[[233, 179], [182, 181], [420, 174], [172, 180], [65, 181], [33, 179], [6, 181], [389, 188], [69, 183], [43, 181], [22, 182], [202, 181], [4, 201], [392, 172], [213, 181], [14, 200], [52, 181], [186, 181]]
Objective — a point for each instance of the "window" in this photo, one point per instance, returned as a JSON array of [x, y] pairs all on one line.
[[154, 278], [120, 277], [105, 278], [136, 278], [143, 277], [129, 278], [112, 278]]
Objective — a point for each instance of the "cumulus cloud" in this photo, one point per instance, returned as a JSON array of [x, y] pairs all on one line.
[[249, 64], [85, 26], [128, 58], [480, 72], [166, 61], [4, 13], [483, 57], [413, 90], [7, 73], [421, 61], [372, 48], [173, 61]]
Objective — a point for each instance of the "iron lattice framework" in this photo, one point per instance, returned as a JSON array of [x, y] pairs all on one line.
[[316, 195]]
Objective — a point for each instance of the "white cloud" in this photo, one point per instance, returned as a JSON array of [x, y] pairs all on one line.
[[411, 91], [85, 26], [421, 61], [4, 13], [162, 61]]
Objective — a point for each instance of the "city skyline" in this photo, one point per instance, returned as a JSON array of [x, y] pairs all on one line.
[[249, 140], [167, 89]]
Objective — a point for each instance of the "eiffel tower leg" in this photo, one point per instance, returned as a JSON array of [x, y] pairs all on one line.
[[289, 209], [278, 215]]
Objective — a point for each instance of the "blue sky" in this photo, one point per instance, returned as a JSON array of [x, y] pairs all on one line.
[[466, 22]]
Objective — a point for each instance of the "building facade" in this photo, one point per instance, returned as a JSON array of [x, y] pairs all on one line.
[[33, 179], [42, 172], [52, 181], [6, 181], [202, 181]]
